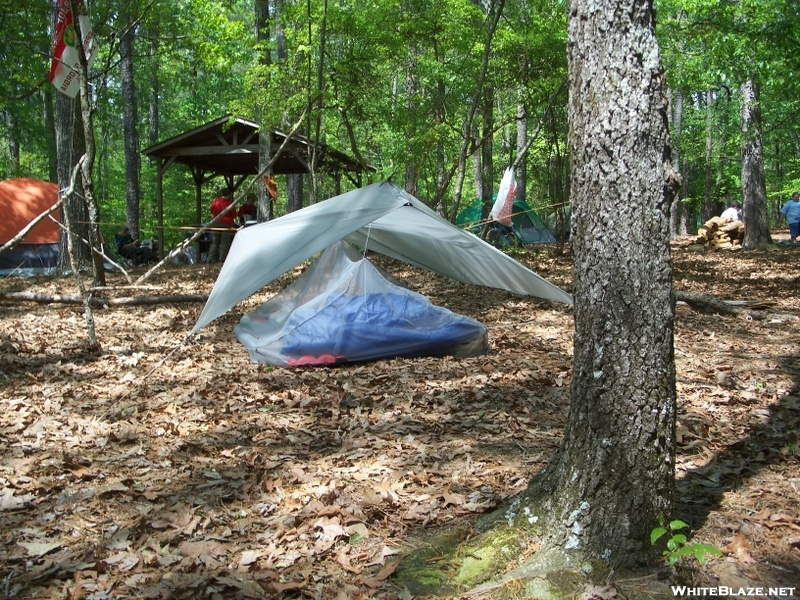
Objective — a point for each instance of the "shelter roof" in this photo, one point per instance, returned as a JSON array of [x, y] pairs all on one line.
[[229, 146]]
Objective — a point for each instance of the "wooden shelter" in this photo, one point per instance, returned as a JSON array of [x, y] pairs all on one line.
[[228, 147]]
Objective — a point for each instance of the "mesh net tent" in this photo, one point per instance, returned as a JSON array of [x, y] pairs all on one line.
[[342, 310], [380, 218]]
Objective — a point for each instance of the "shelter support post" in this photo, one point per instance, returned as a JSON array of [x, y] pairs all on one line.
[[162, 166]]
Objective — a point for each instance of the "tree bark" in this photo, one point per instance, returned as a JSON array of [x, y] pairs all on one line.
[[294, 191], [71, 146], [412, 174], [614, 472], [754, 189]]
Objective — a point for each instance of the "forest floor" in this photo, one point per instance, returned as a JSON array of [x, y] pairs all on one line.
[[139, 472]]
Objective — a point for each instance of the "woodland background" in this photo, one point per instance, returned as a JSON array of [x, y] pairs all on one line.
[[416, 89]]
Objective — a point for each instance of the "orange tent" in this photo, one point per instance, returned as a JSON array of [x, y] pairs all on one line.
[[21, 201]]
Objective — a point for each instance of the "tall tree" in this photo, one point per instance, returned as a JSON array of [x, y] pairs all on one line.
[[754, 191], [614, 472], [264, 58], [294, 181], [677, 214], [613, 475], [615, 469], [130, 121]]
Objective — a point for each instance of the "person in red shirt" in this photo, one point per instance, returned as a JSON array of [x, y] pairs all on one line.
[[223, 230], [248, 211]]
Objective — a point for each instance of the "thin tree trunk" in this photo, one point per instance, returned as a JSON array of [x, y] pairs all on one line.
[[13, 142], [677, 131], [265, 129], [294, 181], [708, 205], [487, 149], [521, 173], [477, 171], [50, 126], [754, 189], [473, 106], [87, 181], [683, 225], [411, 174], [71, 146], [130, 121], [314, 192], [155, 85]]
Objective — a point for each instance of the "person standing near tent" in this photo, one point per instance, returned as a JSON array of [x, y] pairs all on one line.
[[223, 229], [791, 212]]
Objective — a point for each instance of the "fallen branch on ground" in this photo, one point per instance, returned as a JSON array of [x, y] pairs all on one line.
[[105, 302], [712, 305]]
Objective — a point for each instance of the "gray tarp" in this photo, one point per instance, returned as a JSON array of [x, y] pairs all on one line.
[[381, 217]]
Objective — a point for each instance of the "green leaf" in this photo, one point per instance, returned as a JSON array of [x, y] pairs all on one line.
[[701, 550], [683, 551], [677, 525], [676, 541], [656, 534]]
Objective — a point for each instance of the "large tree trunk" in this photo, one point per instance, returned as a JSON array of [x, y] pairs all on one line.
[[754, 190], [615, 469], [130, 121], [613, 475], [71, 146]]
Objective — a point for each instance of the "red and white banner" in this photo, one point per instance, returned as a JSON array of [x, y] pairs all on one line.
[[65, 66]]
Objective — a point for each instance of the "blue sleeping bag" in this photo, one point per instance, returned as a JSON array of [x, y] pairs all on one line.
[[342, 309], [374, 326]]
